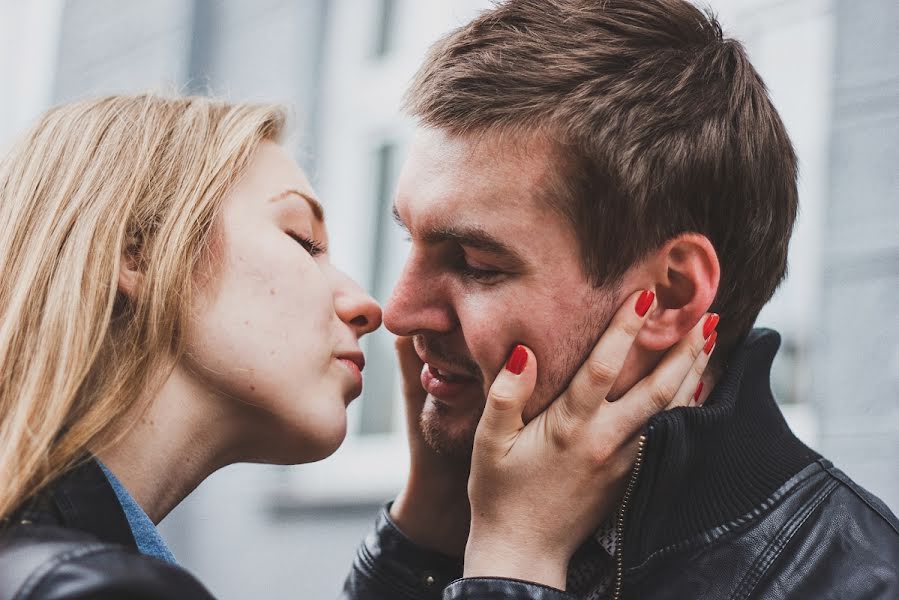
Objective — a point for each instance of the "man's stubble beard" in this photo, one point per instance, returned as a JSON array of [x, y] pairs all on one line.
[[454, 441], [456, 446]]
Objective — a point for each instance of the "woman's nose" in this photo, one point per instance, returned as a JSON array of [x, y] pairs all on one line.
[[356, 308]]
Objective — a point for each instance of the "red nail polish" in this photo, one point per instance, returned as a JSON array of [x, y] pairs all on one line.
[[698, 392], [644, 302], [710, 343], [518, 360], [711, 322]]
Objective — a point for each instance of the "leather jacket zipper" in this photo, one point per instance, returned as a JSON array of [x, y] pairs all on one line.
[[622, 510]]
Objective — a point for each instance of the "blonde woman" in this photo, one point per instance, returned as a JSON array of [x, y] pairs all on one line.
[[168, 307]]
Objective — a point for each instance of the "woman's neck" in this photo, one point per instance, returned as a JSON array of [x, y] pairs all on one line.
[[181, 439]]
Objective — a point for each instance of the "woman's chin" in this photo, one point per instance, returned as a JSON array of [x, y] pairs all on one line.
[[301, 436], [321, 442], [327, 447]]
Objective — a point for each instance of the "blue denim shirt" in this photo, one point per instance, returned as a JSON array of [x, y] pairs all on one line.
[[147, 537]]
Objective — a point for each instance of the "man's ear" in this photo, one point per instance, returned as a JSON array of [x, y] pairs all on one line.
[[130, 277], [685, 274]]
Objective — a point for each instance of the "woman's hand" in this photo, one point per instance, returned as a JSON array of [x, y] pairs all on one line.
[[432, 510], [538, 491]]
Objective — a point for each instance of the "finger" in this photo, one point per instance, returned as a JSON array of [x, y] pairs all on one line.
[[596, 376], [512, 388], [660, 388], [655, 392], [410, 370], [690, 392]]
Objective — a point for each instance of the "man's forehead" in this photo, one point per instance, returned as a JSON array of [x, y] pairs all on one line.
[[493, 155], [468, 180]]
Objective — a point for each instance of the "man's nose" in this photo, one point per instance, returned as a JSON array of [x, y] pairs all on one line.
[[418, 303], [356, 308]]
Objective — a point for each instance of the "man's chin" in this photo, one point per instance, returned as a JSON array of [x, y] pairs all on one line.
[[449, 430]]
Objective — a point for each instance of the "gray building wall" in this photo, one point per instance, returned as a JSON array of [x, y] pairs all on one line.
[[107, 46], [856, 370]]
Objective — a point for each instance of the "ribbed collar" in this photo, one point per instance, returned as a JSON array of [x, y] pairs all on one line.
[[704, 468]]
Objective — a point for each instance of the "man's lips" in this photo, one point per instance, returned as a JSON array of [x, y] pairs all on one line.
[[447, 386], [443, 366]]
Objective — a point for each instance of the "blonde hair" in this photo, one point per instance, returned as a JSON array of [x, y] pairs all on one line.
[[136, 178]]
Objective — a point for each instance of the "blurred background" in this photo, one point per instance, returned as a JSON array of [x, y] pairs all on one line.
[[832, 67]]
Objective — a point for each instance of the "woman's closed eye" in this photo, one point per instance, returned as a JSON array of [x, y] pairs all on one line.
[[311, 246]]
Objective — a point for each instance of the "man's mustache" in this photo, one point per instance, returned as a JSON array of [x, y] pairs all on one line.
[[435, 348]]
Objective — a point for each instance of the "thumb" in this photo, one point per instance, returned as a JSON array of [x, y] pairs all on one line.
[[410, 369], [512, 388]]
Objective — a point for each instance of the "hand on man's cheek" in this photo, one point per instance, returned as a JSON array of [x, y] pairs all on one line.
[[560, 328]]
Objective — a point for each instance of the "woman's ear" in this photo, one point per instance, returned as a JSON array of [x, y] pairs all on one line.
[[130, 277], [685, 274]]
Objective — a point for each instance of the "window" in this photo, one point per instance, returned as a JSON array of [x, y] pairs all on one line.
[[383, 40], [377, 403]]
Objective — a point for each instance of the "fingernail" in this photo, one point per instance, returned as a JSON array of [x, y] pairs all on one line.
[[518, 360], [710, 343], [697, 393], [644, 302], [711, 322]]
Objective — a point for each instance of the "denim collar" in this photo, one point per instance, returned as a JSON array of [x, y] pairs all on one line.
[[146, 536]]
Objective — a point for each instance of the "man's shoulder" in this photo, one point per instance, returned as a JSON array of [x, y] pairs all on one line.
[[862, 501], [822, 510], [829, 507], [53, 562], [821, 535], [842, 543]]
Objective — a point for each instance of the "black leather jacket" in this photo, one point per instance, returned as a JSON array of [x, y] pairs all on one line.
[[726, 503], [74, 542]]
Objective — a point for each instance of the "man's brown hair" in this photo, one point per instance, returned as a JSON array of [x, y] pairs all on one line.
[[659, 124]]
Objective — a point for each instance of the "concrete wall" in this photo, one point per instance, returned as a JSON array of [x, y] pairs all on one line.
[[856, 385]]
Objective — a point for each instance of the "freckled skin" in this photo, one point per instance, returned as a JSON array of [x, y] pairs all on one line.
[[549, 306], [266, 334]]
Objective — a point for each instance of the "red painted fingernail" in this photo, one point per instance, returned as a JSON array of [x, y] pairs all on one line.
[[644, 302], [710, 343], [698, 392], [711, 322], [518, 360]]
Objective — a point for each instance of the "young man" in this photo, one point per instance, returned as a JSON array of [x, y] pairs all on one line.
[[571, 152]]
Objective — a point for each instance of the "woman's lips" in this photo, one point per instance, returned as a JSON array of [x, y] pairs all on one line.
[[451, 389], [355, 373]]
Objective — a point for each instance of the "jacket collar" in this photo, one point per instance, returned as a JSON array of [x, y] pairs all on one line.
[[82, 499], [705, 467]]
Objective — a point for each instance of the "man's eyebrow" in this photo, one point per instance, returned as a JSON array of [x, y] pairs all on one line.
[[471, 236], [314, 204]]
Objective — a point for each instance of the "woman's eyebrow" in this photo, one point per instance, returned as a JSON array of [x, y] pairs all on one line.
[[314, 204], [399, 220]]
